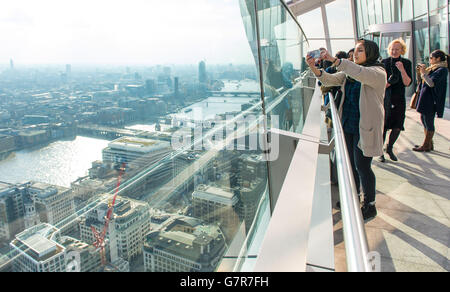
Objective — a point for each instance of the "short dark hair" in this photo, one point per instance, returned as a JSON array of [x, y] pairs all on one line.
[[441, 55], [341, 55]]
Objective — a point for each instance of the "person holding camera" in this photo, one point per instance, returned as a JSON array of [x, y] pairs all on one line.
[[399, 72], [363, 84], [433, 91]]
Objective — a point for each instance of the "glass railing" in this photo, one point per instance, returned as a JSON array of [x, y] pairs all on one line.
[[151, 167]]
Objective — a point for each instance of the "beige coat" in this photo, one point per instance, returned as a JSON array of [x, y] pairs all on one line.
[[371, 106]]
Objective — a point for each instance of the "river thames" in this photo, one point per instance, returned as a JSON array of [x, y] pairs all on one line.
[[58, 163], [62, 162]]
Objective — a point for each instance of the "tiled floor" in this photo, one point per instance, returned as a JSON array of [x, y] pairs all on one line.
[[412, 229]]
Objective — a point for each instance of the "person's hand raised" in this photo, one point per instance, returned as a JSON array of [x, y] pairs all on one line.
[[400, 66], [422, 68], [325, 55], [311, 61]]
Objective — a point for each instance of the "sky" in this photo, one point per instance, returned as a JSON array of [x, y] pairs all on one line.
[[122, 32]]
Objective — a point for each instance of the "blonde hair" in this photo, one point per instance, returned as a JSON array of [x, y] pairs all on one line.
[[398, 41]]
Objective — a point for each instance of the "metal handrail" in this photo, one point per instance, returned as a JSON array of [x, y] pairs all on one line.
[[356, 246], [294, 18]]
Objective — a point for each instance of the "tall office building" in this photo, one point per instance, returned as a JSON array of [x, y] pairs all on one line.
[[127, 229], [11, 210], [202, 76], [11, 64], [54, 204], [176, 86], [251, 186]]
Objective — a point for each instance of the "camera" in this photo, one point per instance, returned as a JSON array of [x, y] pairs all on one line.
[[315, 54]]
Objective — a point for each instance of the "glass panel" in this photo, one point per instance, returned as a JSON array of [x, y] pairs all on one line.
[[407, 9], [312, 23], [378, 12], [365, 14], [420, 8], [282, 49], [439, 30], [121, 155], [360, 18], [435, 4], [422, 40], [342, 45], [340, 19], [403, 10], [387, 16], [371, 10]]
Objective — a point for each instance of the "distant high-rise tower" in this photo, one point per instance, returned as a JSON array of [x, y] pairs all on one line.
[[176, 86], [202, 78], [11, 63], [68, 69]]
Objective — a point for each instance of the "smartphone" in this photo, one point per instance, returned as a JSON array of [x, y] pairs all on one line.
[[315, 54]]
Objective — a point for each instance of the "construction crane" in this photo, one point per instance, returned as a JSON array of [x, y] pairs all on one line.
[[99, 242]]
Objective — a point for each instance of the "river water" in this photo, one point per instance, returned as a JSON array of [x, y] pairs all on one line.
[[62, 162], [58, 163]]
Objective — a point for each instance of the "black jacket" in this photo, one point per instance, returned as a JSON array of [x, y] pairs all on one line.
[[432, 99]]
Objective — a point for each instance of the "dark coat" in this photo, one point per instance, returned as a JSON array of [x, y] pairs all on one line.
[[432, 99]]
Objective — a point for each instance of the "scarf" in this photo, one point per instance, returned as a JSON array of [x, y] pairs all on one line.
[[434, 67]]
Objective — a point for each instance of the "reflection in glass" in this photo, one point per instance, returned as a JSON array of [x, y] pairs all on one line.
[[439, 30], [387, 15], [180, 179], [422, 41]]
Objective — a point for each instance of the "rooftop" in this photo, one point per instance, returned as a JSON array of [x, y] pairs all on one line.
[[38, 242], [47, 190], [215, 194], [138, 144]]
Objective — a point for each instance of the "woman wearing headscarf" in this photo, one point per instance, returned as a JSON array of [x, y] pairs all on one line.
[[363, 84], [399, 73], [433, 91]]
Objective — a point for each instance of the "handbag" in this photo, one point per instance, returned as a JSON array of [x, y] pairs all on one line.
[[415, 98]]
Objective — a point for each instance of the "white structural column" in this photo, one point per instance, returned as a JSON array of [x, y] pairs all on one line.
[[326, 28], [355, 25]]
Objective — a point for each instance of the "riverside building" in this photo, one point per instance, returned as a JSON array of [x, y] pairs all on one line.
[[135, 150]]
